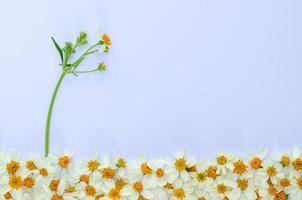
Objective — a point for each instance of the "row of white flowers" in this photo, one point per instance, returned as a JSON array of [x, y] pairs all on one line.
[[228, 177]]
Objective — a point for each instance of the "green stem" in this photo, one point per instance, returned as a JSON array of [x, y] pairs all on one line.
[[53, 98], [83, 72]]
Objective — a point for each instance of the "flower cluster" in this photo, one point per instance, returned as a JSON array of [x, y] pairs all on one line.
[[228, 177]]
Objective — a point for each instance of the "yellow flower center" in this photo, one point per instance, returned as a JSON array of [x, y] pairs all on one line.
[[285, 161], [201, 198], [121, 163], [160, 172], [285, 182], [271, 171], [191, 169], [53, 185], [221, 160], [239, 167], [297, 164], [29, 182], [299, 182], [57, 197], [242, 184], [12, 167], [114, 194], [90, 191], [64, 161], [7, 195], [84, 178], [31, 165], [180, 164], [168, 186], [256, 163], [70, 189], [222, 188], [212, 172], [140, 197], [15, 182], [201, 177], [145, 169], [43, 172], [179, 193], [280, 196], [93, 165], [138, 187], [272, 190], [108, 173], [106, 40], [119, 184]]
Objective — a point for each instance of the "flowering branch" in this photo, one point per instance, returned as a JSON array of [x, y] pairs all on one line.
[[68, 67]]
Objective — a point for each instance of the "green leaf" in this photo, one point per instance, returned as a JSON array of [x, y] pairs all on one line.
[[58, 48]]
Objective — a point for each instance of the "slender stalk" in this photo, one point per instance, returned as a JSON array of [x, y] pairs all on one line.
[[53, 98], [84, 72]]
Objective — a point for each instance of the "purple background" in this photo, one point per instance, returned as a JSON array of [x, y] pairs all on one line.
[[196, 75]]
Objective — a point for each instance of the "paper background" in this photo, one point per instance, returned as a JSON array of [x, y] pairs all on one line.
[[196, 75]]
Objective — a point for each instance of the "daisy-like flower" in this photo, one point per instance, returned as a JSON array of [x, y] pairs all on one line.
[[108, 171], [42, 169], [91, 190], [115, 190], [57, 190], [138, 189], [91, 166], [10, 163], [203, 194], [245, 189], [283, 157], [160, 177], [182, 191], [179, 166], [223, 188], [295, 189], [121, 165], [139, 169], [239, 167], [295, 168], [13, 185], [104, 39], [62, 160], [284, 182], [256, 160], [224, 162], [200, 178], [271, 171]]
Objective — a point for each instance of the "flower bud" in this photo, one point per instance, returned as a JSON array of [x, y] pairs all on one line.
[[102, 67]]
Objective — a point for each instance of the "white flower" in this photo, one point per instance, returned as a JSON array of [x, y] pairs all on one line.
[[224, 162], [14, 184], [295, 189], [138, 188], [56, 190], [177, 166], [90, 190], [114, 192], [62, 160], [159, 177], [200, 177], [271, 171], [224, 188], [182, 191]]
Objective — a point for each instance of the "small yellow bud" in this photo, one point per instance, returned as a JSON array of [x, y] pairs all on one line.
[[102, 67]]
